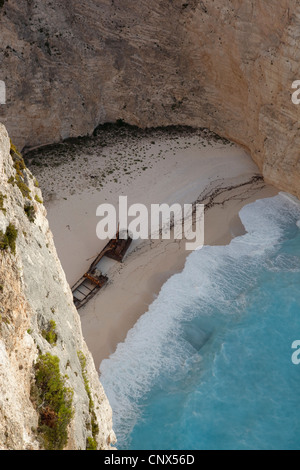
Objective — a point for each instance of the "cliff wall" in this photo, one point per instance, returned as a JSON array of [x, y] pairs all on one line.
[[38, 323], [223, 64]]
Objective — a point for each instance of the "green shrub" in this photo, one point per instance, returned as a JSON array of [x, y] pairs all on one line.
[[30, 212], [3, 241], [91, 444], [14, 150], [54, 402], [95, 427], [8, 239], [2, 208], [18, 181], [22, 187], [38, 199], [20, 168], [50, 334], [12, 234]]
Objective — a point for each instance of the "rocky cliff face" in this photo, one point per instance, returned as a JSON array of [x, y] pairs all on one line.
[[227, 64], [39, 325]]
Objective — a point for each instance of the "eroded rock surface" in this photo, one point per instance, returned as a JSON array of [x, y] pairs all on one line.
[[33, 293], [223, 64]]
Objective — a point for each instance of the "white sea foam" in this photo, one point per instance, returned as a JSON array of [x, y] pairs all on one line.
[[291, 198], [283, 263], [211, 278]]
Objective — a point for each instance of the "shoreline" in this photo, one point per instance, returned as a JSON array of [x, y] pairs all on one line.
[[146, 269], [160, 169]]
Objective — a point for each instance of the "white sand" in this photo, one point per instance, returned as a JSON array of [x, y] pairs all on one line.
[[170, 170]]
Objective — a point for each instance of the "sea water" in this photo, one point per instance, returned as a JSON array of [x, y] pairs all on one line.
[[209, 365]]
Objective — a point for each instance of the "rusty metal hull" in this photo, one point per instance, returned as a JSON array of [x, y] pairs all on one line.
[[84, 290], [90, 283], [118, 252]]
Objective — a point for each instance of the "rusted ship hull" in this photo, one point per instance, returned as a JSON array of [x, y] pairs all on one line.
[[90, 284]]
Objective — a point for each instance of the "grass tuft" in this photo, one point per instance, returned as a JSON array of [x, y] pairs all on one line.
[[54, 402]]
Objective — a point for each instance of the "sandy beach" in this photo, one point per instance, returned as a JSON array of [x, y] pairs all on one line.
[[156, 167]]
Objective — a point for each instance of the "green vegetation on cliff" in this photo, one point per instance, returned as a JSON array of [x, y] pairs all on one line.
[[50, 334], [30, 212], [2, 198], [91, 443], [8, 239], [53, 400], [20, 167]]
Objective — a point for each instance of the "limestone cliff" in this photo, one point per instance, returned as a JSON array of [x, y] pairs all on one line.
[[38, 320], [224, 64]]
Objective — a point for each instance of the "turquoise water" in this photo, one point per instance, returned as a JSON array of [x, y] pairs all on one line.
[[209, 365]]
